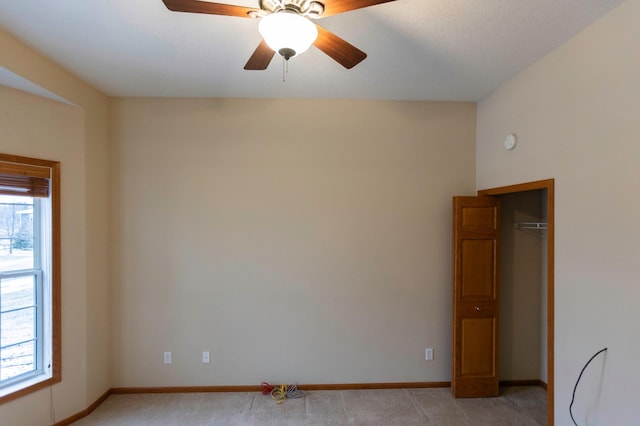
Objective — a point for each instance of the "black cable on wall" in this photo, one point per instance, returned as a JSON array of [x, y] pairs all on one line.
[[573, 397]]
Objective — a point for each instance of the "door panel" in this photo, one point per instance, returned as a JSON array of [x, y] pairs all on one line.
[[477, 333], [475, 297], [478, 216], [477, 269]]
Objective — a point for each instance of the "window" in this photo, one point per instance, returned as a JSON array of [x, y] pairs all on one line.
[[29, 275]]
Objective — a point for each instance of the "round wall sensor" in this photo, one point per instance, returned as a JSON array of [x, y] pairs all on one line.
[[510, 141]]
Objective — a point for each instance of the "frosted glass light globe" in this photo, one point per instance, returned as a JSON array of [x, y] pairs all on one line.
[[287, 30]]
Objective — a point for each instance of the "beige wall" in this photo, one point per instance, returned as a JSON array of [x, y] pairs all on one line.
[[36, 127], [576, 113], [298, 241], [84, 152]]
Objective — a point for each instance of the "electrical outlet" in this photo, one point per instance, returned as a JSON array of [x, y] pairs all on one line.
[[206, 357], [428, 354], [167, 357]]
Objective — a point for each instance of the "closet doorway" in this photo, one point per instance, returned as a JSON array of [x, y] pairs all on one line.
[[526, 289]]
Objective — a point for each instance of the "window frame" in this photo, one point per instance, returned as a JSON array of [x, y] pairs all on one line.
[[19, 165], [40, 326]]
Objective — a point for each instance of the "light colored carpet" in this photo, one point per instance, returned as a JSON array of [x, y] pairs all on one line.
[[516, 406]]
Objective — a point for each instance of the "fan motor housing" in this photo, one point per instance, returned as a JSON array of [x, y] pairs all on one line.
[[310, 9]]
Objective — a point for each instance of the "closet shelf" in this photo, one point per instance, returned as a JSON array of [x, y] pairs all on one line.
[[542, 226]]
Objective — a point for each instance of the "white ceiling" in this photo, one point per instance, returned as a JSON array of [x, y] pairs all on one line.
[[458, 50]]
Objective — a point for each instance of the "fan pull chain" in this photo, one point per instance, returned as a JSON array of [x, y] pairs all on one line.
[[285, 68]]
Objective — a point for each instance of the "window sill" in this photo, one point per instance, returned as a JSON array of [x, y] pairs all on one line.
[[25, 387]]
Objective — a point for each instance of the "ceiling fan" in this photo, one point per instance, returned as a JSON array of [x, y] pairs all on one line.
[[286, 27]]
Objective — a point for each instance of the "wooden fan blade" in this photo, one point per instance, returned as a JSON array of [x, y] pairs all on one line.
[[195, 6], [333, 7], [261, 58], [339, 50]]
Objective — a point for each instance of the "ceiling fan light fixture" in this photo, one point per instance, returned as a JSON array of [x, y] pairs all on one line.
[[288, 33]]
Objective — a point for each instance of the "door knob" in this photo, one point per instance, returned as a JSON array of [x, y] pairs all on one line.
[[478, 308]]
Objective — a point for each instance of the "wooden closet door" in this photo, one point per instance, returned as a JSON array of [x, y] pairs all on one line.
[[475, 297]]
